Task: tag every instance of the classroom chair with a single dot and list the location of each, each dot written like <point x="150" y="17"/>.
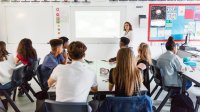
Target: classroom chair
<point x="141" y="103"/>
<point x="54" y="106"/>
<point x="35" y="66"/>
<point x="197" y="104"/>
<point x="26" y="86"/>
<point x="158" y="81"/>
<point x="170" y="92"/>
<point x="154" y="62"/>
<point x="40" y="78"/>
<point x="16" y="81"/>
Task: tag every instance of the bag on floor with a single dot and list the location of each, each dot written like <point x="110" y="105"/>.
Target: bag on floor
<point x="182" y="103"/>
<point x="41" y="96"/>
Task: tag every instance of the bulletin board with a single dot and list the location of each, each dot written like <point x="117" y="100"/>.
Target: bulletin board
<point x="175" y="20"/>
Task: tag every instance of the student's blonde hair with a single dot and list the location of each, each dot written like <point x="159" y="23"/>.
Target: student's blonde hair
<point x="144" y="52"/>
<point x="126" y="74"/>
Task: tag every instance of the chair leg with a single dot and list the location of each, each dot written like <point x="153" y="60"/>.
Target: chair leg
<point x="164" y="101"/>
<point x="152" y="92"/>
<point x="158" y="94"/>
<point x="151" y="79"/>
<point x="11" y="102"/>
<point x="14" y="94"/>
<point x="26" y="92"/>
<point x="30" y="88"/>
<point x="197" y="104"/>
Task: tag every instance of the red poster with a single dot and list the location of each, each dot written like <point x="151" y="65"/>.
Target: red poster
<point x="189" y="14"/>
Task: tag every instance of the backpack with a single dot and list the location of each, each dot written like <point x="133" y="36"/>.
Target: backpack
<point x="182" y="103"/>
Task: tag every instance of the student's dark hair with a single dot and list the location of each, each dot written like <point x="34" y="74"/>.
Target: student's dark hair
<point x="130" y="26"/>
<point x="170" y="45"/>
<point x="64" y="39"/>
<point x="125" y="40"/>
<point x="55" y="42"/>
<point x="3" y="51"/>
<point x="26" y="50"/>
<point x="76" y="50"/>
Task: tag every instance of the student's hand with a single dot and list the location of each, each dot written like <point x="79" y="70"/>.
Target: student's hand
<point x="65" y="55"/>
<point x="142" y="66"/>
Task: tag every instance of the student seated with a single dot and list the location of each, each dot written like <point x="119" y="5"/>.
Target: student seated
<point x="7" y="65"/>
<point x="51" y="60"/>
<point x="170" y="65"/>
<point x="126" y="76"/>
<point x="26" y="54"/>
<point x="144" y="61"/>
<point x="73" y="81"/>
<point x="122" y="44"/>
<point x="65" y="45"/>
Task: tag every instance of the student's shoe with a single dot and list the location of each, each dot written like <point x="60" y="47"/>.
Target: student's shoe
<point x="20" y="93"/>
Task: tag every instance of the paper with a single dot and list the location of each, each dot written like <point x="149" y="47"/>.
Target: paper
<point x="181" y="10"/>
<point x="197" y="28"/>
<point x="161" y="32"/>
<point x="171" y="16"/>
<point x="153" y="32"/>
<point x="189" y="14"/>
<point x="171" y="9"/>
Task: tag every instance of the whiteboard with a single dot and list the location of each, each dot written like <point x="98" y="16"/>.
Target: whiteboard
<point x="34" y="22"/>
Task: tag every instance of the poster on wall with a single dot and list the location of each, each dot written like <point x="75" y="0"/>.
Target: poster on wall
<point x="175" y="20"/>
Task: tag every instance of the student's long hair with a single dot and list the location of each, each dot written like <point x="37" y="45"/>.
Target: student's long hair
<point x="26" y="50"/>
<point x="144" y="52"/>
<point x="3" y="51"/>
<point x="126" y="75"/>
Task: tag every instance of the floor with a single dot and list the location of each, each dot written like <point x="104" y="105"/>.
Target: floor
<point x="25" y="105"/>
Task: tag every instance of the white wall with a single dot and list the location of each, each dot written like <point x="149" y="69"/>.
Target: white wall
<point x="95" y="51"/>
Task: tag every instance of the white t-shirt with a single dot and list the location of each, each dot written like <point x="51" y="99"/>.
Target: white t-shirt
<point x="73" y="82"/>
<point x="129" y="35"/>
<point x="6" y="69"/>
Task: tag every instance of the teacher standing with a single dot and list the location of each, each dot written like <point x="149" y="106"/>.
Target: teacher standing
<point x="128" y="32"/>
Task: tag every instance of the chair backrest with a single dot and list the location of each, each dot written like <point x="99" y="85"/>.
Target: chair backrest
<point x="127" y="104"/>
<point x="35" y="65"/>
<point x="18" y="75"/>
<point x="157" y="75"/>
<point x="53" y="106"/>
<point x="39" y="76"/>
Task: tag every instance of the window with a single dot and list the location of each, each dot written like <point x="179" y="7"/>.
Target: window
<point x="97" y="23"/>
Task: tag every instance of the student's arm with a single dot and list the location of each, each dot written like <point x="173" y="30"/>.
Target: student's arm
<point x="112" y="59"/>
<point x="111" y="83"/>
<point x="177" y="65"/>
<point x="63" y="58"/>
<point x="17" y="59"/>
<point x="111" y="87"/>
<point x="53" y="77"/>
<point x="51" y="82"/>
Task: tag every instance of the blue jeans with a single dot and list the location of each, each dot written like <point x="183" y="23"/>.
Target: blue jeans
<point x="188" y="84"/>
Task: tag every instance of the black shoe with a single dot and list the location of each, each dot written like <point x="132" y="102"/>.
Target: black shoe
<point x="20" y="93"/>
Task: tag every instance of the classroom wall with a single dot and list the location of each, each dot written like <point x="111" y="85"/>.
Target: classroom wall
<point x="98" y="51"/>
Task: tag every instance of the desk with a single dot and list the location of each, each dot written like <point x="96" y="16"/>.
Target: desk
<point x="193" y="76"/>
<point x="102" y="79"/>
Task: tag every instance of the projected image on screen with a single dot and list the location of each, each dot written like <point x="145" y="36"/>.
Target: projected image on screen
<point x="97" y="24"/>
